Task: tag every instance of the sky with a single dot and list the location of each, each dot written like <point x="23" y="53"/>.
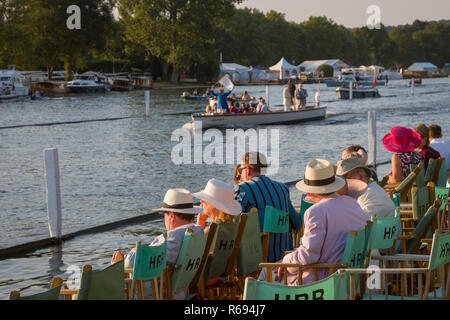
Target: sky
<point x="353" y="13"/>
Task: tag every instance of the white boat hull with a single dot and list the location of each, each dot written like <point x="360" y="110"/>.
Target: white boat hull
<point x="249" y="119"/>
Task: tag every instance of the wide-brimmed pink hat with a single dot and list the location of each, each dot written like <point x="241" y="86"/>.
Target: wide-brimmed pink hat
<point x="401" y="139"/>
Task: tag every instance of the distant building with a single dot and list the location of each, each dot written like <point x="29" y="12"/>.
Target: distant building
<point x="312" y="65"/>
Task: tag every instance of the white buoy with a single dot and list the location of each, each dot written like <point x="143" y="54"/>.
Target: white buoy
<point x="350" y="92"/>
<point x="267" y="95"/>
<point x="147" y="103"/>
<point x="53" y="192"/>
<point x="372" y="145"/>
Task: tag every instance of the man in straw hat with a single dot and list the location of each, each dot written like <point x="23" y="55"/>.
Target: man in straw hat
<point x="372" y="198"/>
<point x="179" y="215"/>
<point x="259" y="191"/>
<point x="327" y="223"/>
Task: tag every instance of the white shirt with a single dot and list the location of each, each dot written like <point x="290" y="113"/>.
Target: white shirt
<point x="376" y="201"/>
<point x="443" y="147"/>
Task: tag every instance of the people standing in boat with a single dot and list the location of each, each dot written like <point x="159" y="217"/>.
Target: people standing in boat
<point x="222" y="100"/>
<point x="300" y="97"/>
<point x="287" y="98"/>
<point x="262" y="106"/>
<point x="426" y="151"/>
<point x="403" y="142"/>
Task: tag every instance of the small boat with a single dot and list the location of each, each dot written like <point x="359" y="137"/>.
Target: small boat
<point x="417" y="82"/>
<point x="188" y="96"/>
<point x="122" y="84"/>
<point x="142" y="83"/>
<point x="50" y="87"/>
<point x="361" y="80"/>
<point x="11" y="84"/>
<point x="88" y="82"/>
<point x="261" y="118"/>
<point x="344" y="93"/>
<point x="7" y="97"/>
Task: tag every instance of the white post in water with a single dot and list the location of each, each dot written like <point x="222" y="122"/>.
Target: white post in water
<point x="350" y="90"/>
<point x="412" y="86"/>
<point x="147" y="103"/>
<point x="53" y="192"/>
<point x="267" y="95"/>
<point x="372" y="146"/>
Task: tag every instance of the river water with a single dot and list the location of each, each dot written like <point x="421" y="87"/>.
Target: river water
<point x="116" y="169"/>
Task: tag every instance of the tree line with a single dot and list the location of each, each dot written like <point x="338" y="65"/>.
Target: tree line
<point x="171" y="37"/>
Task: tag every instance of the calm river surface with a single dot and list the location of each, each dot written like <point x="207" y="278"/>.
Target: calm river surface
<point x="117" y="169"/>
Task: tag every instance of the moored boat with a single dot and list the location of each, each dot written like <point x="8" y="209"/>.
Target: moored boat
<point x="122" y="84"/>
<point x="344" y="93"/>
<point x="142" y="83"/>
<point x="88" y="82"/>
<point x="11" y="84"/>
<point x="50" y="87"/>
<point x="261" y="118"/>
<point x="417" y="82"/>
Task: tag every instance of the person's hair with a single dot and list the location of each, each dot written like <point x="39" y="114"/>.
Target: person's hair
<point x="185" y="216"/>
<point x="354" y="148"/>
<point x="225" y="217"/>
<point x="236" y="175"/>
<point x="422" y="129"/>
<point x="256" y="167"/>
<point x="434" y="131"/>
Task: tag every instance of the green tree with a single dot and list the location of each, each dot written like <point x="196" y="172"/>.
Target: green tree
<point x="178" y="32"/>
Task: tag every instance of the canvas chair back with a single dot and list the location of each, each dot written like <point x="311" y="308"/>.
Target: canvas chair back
<point x="355" y="249"/>
<point x="420" y="177"/>
<point x="440" y="251"/>
<point x="250" y="253"/>
<point x="384" y="231"/>
<point x="149" y="261"/>
<point x="303" y="207"/>
<point x="442" y="194"/>
<point x="441" y="180"/>
<point x="433" y="169"/>
<point x="106" y="284"/>
<point x="188" y="261"/>
<point x="405" y="186"/>
<point x="420" y="201"/>
<point x="420" y="231"/>
<point x="396" y="199"/>
<point x="51" y="294"/>
<point x="221" y="249"/>
<point x="275" y="221"/>
<point x="331" y="288"/>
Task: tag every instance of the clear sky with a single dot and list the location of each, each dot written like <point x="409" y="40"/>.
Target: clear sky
<point x="352" y="13"/>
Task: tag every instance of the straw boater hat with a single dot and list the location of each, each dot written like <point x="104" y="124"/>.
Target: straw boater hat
<point x="401" y="139"/>
<point x="320" y="178"/>
<point x="179" y="200"/>
<point x="221" y="196"/>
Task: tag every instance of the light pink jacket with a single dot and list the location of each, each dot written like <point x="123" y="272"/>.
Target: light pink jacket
<point x="327" y="225"/>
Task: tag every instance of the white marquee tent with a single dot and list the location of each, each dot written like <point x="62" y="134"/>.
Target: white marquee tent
<point x="312" y="65"/>
<point x="285" y="69"/>
<point x="237" y="72"/>
<point x="423" y="66"/>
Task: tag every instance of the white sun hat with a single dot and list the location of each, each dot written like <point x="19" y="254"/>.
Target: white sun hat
<point x="221" y="196"/>
<point x="179" y="200"/>
<point x="320" y="178"/>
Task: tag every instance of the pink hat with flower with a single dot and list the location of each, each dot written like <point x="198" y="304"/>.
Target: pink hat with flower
<point x="401" y="139"/>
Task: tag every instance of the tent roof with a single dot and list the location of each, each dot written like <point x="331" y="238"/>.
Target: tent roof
<point x="317" y="63"/>
<point x="421" y="66"/>
<point x="283" y="64"/>
<point x="233" y="67"/>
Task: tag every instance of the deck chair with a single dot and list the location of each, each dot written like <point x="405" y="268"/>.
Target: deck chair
<point x="331" y="288"/>
<point x="52" y="294"/>
<point x="443" y="218"/>
<point x="412" y="243"/>
<point x="404" y="187"/>
<point x="420" y="181"/>
<point x="354" y="255"/>
<point x="179" y="276"/>
<point x="149" y="264"/>
<point x="275" y="221"/>
<point x="297" y="234"/>
<point x="441" y="180"/>
<point x="217" y="260"/>
<point x="433" y="170"/>
<point x="416" y="288"/>
<point x="106" y="284"/>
